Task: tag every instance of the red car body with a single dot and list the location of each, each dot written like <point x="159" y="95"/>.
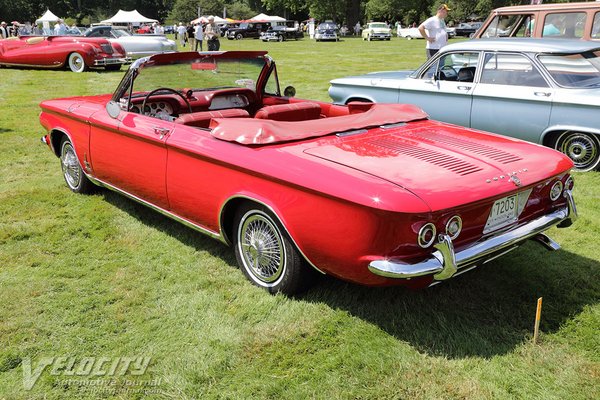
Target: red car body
<point x="58" y="51"/>
<point x="354" y="187"/>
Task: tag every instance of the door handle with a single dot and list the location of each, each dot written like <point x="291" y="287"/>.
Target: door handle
<point x="162" y="132"/>
<point x="542" y="94"/>
<point x="463" y="87"/>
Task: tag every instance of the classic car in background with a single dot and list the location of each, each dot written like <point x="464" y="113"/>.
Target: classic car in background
<point x="541" y="90"/>
<point x="135" y="45"/>
<point x="562" y="20"/>
<point x="376" y="194"/>
<point x="76" y="53"/>
<point x="377" y="31"/>
<point x="281" y="31"/>
<point x="327" y="31"/>
<point x="410" y="33"/>
<point x="467" y="28"/>
<point x="247" y="30"/>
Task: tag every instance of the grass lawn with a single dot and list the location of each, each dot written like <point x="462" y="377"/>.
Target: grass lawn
<point x="101" y="276"/>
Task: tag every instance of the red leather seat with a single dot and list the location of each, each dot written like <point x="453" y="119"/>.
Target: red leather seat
<point x="290" y="112"/>
<point x="202" y="119"/>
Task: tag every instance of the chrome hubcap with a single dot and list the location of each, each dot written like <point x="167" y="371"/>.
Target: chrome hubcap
<point x="70" y="166"/>
<point x="582" y="149"/>
<point x="77" y="63"/>
<point x="261" y="248"/>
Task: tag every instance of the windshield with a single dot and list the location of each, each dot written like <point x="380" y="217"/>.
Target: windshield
<point x="327" y="26"/>
<point x="580" y="70"/>
<point x="382" y="25"/>
<point x="120" y="33"/>
<point x="199" y="74"/>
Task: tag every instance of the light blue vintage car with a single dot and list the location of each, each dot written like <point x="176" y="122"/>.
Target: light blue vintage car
<point x="546" y="91"/>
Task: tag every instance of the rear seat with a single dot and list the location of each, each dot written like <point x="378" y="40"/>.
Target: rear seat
<point x="202" y="119"/>
<point x="290" y="112"/>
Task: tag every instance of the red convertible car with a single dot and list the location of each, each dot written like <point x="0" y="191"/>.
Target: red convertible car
<point x="376" y="194"/>
<point x="76" y="53"/>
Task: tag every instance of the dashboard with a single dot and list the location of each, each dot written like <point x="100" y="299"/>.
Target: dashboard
<point x="235" y="100"/>
<point x="153" y="108"/>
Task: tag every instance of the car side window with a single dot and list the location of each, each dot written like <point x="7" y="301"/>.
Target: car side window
<point x="272" y="85"/>
<point x="504" y="25"/>
<point x="512" y="70"/>
<point x="460" y="67"/>
<point x="596" y="26"/>
<point x="564" y="25"/>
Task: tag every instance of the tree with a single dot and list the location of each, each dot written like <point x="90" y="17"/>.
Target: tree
<point x="240" y="10"/>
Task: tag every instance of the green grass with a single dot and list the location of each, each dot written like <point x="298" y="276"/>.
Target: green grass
<point x="101" y="276"/>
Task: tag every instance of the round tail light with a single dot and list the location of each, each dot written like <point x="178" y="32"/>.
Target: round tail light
<point x="426" y="235"/>
<point x="556" y="190"/>
<point x="569" y="183"/>
<point x="453" y="227"/>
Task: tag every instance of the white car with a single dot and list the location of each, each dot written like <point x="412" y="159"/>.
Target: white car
<point x="135" y="46"/>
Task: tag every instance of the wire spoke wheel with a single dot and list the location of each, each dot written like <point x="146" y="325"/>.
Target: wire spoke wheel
<point x="70" y="166"/>
<point x="581" y="148"/>
<point x="261" y="247"/>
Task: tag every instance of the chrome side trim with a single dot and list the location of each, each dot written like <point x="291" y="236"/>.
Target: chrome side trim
<point x="112" y="61"/>
<point x="240" y="196"/>
<point x="184" y="221"/>
<point x="445" y="263"/>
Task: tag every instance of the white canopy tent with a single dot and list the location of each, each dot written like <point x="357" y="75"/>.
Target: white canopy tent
<point x="45" y="21"/>
<point x="47" y="17"/>
<point x="128" y="17"/>
<point x="267" y="18"/>
<point x="204" y="19"/>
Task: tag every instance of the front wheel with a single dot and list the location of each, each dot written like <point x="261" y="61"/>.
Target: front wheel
<point x="266" y="254"/>
<point x="72" y="172"/>
<point x="239" y="36"/>
<point x="280" y="38"/>
<point x="582" y="148"/>
<point x="76" y="62"/>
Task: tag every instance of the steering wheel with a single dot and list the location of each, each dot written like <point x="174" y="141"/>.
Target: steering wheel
<point x="168" y="90"/>
<point x="450" y="73"/>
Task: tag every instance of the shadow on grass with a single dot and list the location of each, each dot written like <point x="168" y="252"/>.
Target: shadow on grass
<point x="4" y="130"/>
<point x="486" y="312"/>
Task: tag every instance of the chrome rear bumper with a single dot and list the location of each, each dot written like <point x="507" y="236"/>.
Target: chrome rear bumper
<point x="445" y="262"/>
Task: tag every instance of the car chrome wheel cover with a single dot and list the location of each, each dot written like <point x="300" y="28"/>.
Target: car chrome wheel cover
<point x="581" y="148"/>
<point x="76" y="62"/>
<point x="261" y="247"/>
<point x="70" y="166"/>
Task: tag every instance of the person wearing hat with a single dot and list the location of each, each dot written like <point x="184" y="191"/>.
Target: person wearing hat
<point x="3" y="30"/>
<point x="434" y="32"/>
<point x="212" y="35"/>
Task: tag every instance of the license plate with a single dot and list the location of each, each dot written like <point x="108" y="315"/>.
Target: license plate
<point x="504" y="212"/>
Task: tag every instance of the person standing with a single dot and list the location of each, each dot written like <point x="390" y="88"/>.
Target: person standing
<point x="3" y="30"/>
<point x="190" y="31"/>
<point x="212" y="35"/>
<point x="434" y="32"/>
<point x="199" y="36"/>
<point x="181" y="31"/>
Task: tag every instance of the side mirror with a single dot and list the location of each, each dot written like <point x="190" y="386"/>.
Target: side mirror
<point x="289" y="91"/>
<point x="113" y="109"/>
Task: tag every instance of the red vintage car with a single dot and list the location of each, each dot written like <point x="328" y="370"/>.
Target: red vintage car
<point x="376" y="194"/>
<point x="76" y="53"/>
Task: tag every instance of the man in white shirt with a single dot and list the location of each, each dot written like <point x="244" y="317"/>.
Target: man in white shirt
<point x="3" y="30"/>
<point x="199" y="36"/>
<point x="433" y="31"/>
<point x="60" y="28"/>
<point x="181" y="32"/>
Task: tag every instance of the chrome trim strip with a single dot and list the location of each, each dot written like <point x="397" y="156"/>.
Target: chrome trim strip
<point x="241" y="196"/>
<point x="34" y="65"/>
<point x="184" y="221"/>
<point x="112" y="61"/>
<point x="445" y="263"/>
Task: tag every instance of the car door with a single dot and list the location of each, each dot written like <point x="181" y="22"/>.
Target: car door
<point x="444" y="89"/>
<point x="512" y="97"/>
<point x="129" y="153"/>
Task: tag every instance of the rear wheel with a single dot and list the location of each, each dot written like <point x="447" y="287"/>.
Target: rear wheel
<point x="76" y="62"/>
<point x="582" y="148"/>
<point x="266" y="254"/>
<point x="72" y="172"/>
